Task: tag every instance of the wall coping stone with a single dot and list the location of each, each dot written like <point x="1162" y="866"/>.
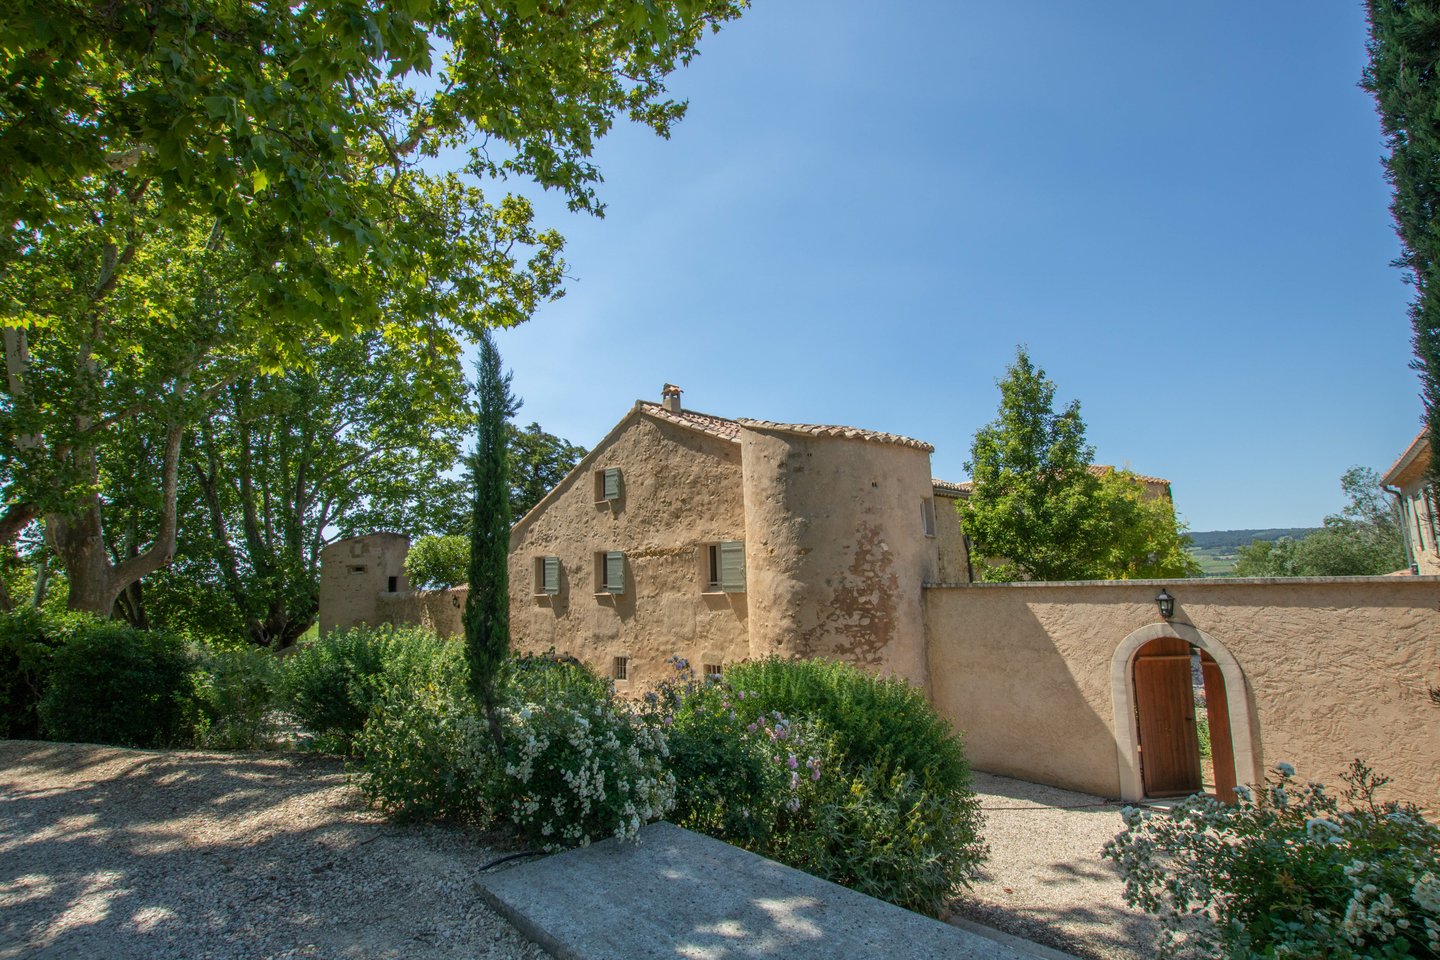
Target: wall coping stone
<point x="1195" y="581"/>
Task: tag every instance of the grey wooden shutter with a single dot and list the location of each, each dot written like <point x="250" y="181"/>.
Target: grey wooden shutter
<point x="551" y="583"/>
<point x="615" y="572"/>
<point x="612" y="483"/>
<point x="732" y="566"/>
<point x="927" y="516"/>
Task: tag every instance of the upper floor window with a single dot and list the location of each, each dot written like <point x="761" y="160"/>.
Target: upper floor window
<point x="927" y="516"/>
<point x="726" y="567"/>
<point x="608" y="485"/>
<point x="547" y="576"/>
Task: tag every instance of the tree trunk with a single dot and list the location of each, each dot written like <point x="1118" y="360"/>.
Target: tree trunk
<point x="79" y="538"/>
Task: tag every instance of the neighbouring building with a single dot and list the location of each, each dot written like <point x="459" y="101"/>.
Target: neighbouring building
<point x="1409" y="482"/>
<point x="684" y="534"/>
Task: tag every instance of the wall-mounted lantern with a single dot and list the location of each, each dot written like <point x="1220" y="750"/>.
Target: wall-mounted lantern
<point x="1166" y="603"/>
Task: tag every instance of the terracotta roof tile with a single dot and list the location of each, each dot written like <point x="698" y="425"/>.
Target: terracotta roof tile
<point x="848" y="433"/>
<point x="704" y="422"/>
<point x="727" y="429"/>
<point x="945" y="487"/>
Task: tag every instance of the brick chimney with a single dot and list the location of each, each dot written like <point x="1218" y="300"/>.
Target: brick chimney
<point x="670" y="397"/>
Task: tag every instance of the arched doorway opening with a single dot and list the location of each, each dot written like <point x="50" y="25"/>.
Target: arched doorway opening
<point x="1154" y="676"/>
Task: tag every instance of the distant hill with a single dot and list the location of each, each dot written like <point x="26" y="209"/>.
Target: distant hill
<point x="1215" y="549"/>
<point x="1231" y="539"/>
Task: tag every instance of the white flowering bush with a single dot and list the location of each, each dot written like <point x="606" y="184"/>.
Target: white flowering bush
<point x="424" y="751"/>
<point x="1287" y="872"/>
<point x="579" y="768"/>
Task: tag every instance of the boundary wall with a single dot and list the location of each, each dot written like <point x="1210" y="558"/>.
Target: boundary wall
<point x="1319" y="671"/>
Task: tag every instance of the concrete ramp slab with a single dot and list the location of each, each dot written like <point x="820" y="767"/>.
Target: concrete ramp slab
<point x="678" y="894"/>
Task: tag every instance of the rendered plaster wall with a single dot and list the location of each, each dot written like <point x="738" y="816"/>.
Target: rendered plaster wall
<point x="1334" y="669"/>
<point x="435" y="610"/>
<point x="952" y="559"/>
<point x="834" y="549"/>
<point x="681" y="492"/>
<point x="356" y="571"/>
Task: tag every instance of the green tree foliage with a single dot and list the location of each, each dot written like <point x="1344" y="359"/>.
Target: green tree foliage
<point x="538" y="461"/>
<point x="1364" y="539"/>
<point x="354" y="441"/>
<point x="1402" y="75"/>
<point x="1038" y="512"/>
<point x="435" y="562"/>
<point x="195" y="192"/>
<point x="487" y="604"/>
<point x="1146" y="540"/>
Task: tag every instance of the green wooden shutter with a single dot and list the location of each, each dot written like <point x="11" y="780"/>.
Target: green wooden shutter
<point x="552" y="575"/>
<point x="732" y="566"/>
<point x="612" y="483"/>
<point x="615" y="572"/>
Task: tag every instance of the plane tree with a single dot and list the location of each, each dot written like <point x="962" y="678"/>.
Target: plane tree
<point x="196" y="190"/>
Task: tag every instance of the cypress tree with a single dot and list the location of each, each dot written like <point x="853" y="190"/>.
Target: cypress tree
<point x="1402" y="75"/>
<point x="487" y="606"/>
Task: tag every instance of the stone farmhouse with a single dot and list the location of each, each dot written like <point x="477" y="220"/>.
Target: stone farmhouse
<point x="1409" y="481"/>
<point x="715" y="539"/>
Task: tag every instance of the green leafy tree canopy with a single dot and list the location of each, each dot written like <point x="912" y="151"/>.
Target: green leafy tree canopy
<point x="1037" y="510"/>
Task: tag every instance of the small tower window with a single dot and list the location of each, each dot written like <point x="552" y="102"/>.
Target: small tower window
<point x="608" y="485"/>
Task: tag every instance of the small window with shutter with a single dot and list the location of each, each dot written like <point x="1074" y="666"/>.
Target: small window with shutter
<point x="610" y="572"/>
<point x="547" y="576"/>
<point x="726" y="567"/>
<point x="608" y="486"/>
<point x="927" y="516"/>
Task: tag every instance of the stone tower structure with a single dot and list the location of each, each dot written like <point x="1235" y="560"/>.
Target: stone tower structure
<point x="839" y="536"/>
<point x="355" y="572"/>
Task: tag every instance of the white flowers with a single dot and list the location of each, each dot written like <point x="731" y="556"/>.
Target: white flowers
<point x="595" y="769"/>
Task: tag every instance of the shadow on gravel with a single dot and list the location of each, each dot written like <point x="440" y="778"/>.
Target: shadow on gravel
<point x="113" y="853"/>
<point x="1111" y="932"/>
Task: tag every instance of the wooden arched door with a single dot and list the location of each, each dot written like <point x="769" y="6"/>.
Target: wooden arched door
<point x="1165" y="717"/>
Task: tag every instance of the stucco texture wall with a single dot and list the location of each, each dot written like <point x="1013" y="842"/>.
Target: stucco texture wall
<point x="354" y="572"/>
<point x="834" y="549"/>
<point x="1333" y="670"/>
<point x="681" y="492"/>
<point x="435" y="610"/>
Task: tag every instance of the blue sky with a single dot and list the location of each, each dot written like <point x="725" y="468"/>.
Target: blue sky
<point x="1179" y="209"/>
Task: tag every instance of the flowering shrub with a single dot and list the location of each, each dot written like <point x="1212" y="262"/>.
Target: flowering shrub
<point x="876" y="722"/>
<point x="1287" y="873"/>
<point x="579" y="768"/>
<point x="887" y="835"/>
<point x="743" y="782"/>
<point x="424" y="752"/>
<point x="823" y="767"/>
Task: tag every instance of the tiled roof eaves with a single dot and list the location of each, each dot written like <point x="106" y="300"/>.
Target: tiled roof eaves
<point x="715" y="426"/>
<point x="846" y="433"/>
<point x="947" y="489"/>
<point x="1401" y="466"/>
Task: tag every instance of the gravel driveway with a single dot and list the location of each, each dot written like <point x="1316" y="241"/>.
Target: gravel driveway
<point x="111" y="853"/>
<point x="1045" y="880"/>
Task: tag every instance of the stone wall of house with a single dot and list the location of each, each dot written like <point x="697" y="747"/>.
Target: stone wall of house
<point x="435" y="610"/>
<point x="952" y="557"/>
<point x="355" y="572"/>
<point x="834" y="548"/>
<point x="1333" y="669"/>
<point x="681" y="491"/>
